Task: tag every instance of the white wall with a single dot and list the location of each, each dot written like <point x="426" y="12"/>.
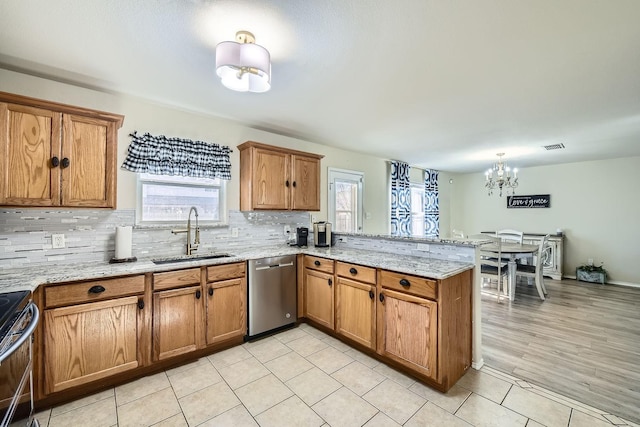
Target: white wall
<point x="596" y="203"/>
<point x="144" y="116"/>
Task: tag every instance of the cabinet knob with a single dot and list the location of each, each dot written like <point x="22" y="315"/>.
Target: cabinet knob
<point x="140" y="304"/>
<point x="353" y="271"/>
<point x="210" y="291"/>
<point x="405" y="282"/>
<point x="96" y="289"/>
<point x="372" y="295"/>
<point x="198" y="294"/>
<point x="316" y="263"/>
<point x="286" y="183"/>
<point x="55" y="162"/>
<point x="294" y="183"/>
<point x="381" y="297"/>
<point x="65" y="163"/>
<point x="330" y="282"/>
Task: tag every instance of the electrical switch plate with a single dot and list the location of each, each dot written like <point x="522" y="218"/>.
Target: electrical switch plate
<point x="57" y="241"/>
<point x="234" y="232"/>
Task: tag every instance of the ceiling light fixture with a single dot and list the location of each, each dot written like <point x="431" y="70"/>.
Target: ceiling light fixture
<point x="503" y="177"/>
<point x="243" y="65"/>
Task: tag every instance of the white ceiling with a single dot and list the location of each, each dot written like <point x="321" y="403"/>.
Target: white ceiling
<point x="444" y="84"/>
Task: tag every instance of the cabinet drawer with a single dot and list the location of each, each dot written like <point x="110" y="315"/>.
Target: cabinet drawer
<point x="317" y="263"/>
<point x="356" y="272"/>
<point x="176" y="279"/>
<point x="94" y="290"/>
<point x="420" y="286"/>
<point x="224" y="272"/>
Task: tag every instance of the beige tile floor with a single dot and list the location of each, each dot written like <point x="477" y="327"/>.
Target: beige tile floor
<point x="303" y="377"/>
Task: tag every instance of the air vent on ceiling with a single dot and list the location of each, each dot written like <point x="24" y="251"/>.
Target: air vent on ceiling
<point x="553" y="146"/>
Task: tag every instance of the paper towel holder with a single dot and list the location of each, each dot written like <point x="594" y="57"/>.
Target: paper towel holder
<point x="121" y="260"/>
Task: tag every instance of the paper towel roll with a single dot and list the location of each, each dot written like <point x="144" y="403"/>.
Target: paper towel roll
<point x="123" y="242"/>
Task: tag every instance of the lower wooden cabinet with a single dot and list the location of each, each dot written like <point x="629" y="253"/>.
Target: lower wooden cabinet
<point x="226" y="303"/>
<point x="408" y="331"/>
<point x="177" y="315"/>
<point x="319" y="298"/>
<point x="356" y="311"/>
<point x="87" y="342"/>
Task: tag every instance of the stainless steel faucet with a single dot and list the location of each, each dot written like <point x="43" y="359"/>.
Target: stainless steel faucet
<point x="191" y="247"/>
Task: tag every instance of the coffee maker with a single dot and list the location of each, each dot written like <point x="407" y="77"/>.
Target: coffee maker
<point x="322" y="234"/>
<point x="301" y="236"/>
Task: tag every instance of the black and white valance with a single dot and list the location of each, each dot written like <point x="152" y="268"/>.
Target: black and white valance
<point x="161" y="155"/>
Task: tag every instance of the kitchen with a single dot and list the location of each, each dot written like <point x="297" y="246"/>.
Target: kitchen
<point x="94" y="240"/>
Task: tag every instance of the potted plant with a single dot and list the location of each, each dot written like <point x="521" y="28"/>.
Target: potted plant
<point x="591" y="273"/>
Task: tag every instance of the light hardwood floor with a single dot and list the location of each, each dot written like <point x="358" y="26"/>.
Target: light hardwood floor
<point x="583" y="341"/>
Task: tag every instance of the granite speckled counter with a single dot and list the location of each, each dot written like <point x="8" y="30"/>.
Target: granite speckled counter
<point x="29" y="277"/>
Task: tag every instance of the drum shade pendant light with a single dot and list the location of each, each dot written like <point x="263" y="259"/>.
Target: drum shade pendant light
<point x="243" y="65"/>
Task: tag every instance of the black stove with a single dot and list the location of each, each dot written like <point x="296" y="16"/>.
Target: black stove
<point x="11" y="305"/>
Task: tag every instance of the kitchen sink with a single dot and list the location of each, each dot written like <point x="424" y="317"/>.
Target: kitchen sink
<point x="185" y="258"/>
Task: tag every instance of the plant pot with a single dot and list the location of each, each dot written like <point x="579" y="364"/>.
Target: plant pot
<point x="591" y="276"/>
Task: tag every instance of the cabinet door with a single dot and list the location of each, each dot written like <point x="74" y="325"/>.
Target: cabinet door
<point x="319" y="297"/>
<point x="356" y="311"/>
<point x="29" y="139"/>
<point x="176" y="322"/>
<point x="305" y="188"/>
<point x="226" y="308"/>
<point x="90" y="146"/>
<point x="271" y="181"/>
<point x="408" y="331"/>
<point x="87" y="342"/>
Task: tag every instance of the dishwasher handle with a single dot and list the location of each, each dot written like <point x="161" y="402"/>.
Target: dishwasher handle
<point x="24" y="334"/>
<point x="267" y="267"/>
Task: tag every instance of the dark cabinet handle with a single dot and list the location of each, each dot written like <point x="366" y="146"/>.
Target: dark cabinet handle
<point x="330" y="282"/>
<point x="65" y="163"/>
<point x="353" y="271"/>
<point x="294" y="183"/>
<point x="96" y="289"/>
<point x="405" y="282"/>
<point x="286" y="183"/>
<point x="372" y="295"/>
<point x="381" y="297"/>
<point x="198" y="294"/>
<point x="210" y="291"/>
<point x="55" y="162"/>
<point x="316" y="262"/>
<point x="140" y="304"/>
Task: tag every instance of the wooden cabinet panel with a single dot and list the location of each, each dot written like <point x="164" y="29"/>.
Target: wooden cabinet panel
<point x="319" y="298"/>
<point x="226" y="271"/>
<point x="408" y="331"/>
<point x="415" y="285"/>
<point x="305" y="186"/>
<point x="356" y="272"/>
<point x="271" y="180"/>
<point x="91" y="177"/>
<point x="356" y="311"/>
<point x="87" y="342"/>
<point x="317" y="263"/>
<point x="174" y="279"/>
<point x="176" y="322"/>
<point x="226" y="309"/>
<point x="29" y="139"/>
<point x="83" y="292"/>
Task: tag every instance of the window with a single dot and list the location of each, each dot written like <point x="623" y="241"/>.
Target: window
<point x="167" y="199"/>
<point x="345" y="200"/>
<point x="417" y="210"/>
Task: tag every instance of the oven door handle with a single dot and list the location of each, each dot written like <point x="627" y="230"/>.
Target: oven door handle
<point x="25" y="333"/>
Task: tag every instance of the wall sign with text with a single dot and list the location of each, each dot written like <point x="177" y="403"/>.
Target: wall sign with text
<point x="534" y="201"/>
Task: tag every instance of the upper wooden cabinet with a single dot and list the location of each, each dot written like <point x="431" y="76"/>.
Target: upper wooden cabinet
<point x="56" y="155"/>
<point x="275" y="178"/>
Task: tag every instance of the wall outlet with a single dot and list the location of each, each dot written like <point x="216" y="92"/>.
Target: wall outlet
<point x="590" y="261"/>
<point x="57" y="241"/>
<point x="234" y="232"/>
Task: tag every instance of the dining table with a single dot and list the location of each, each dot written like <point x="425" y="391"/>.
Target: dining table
<point x="513" y="250"/>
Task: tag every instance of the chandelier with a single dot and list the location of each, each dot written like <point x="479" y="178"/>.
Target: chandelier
<point x="243" y="65"/>
<point x="503" y="177"/>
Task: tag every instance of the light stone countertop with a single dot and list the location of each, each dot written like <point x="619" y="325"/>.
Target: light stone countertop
<point x="29" y="277"/>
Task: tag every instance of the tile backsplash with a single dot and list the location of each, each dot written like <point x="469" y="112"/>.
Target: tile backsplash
<point x="25" y="235"/>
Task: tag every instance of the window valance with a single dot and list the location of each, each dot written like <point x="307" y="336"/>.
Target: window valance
<point x="161" y="155"/>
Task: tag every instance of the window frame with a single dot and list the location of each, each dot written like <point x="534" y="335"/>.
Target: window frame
<point x="347" y="175"/>
<point x="418" y="186"/>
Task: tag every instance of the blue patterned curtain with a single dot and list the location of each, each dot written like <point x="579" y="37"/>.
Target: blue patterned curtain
<point x="431" y="204"/>
<point x="400" y="199"/>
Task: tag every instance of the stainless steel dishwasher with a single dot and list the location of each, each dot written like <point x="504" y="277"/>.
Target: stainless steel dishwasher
<point x="272" y="294"/>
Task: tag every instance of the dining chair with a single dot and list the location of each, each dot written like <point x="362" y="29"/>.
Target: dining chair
<point x="535" y="270"/>
<point x="508" y="235"/>
<point x="492" y="267"/>
<point x="457" y="234"/>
